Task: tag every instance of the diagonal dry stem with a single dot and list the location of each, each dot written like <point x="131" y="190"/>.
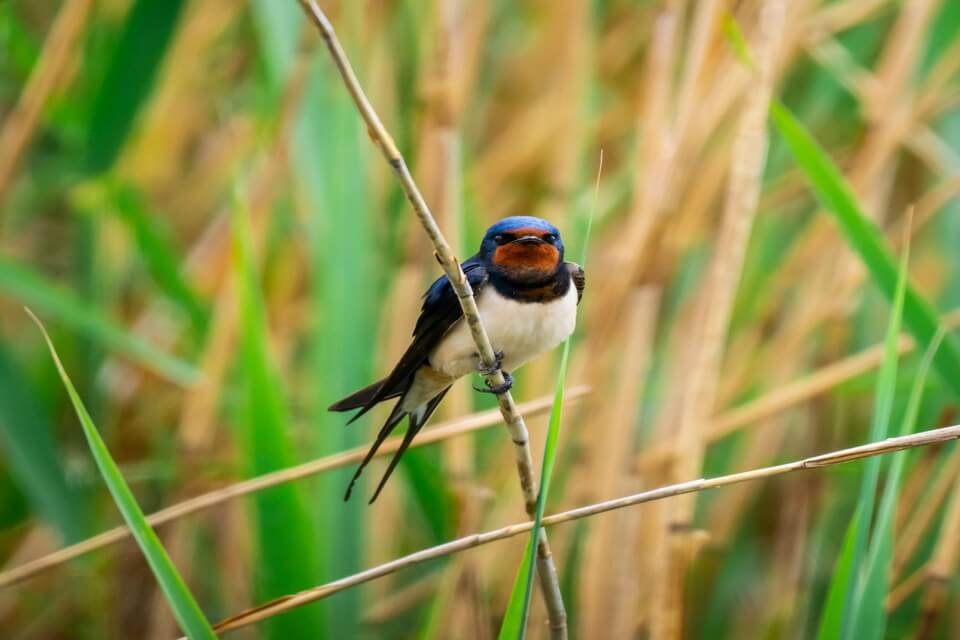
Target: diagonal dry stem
<point x="216" y="497"/>
<point x="547" y="571"/>
<point x="776" y="401"/>
<point x="890" y="445"/>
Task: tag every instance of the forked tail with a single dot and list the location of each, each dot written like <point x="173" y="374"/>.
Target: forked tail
<point x="418" y="417"/>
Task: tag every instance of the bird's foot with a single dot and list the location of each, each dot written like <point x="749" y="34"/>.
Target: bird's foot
<point x="497" y="362"/>
<point x="498" y="389"/>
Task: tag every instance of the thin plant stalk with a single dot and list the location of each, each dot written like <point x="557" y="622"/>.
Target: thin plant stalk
<point x="890" y="445"/>
<point x="439" y="433"/>
<point x="512" y="418"/>
<point x="182" y="603"/>
<point x="778" y="400"/>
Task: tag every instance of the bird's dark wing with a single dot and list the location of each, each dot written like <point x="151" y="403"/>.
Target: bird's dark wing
<point x="579" y="278"/>
<point x="441" y="307"/>
<point x="440" y="311"/>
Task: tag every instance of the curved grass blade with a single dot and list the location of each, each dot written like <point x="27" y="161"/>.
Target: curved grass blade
<point x="33" y="290"/>
<point x="146" y="34"/>
<point x="866" y="239"/>
<point x="515" y="617"/>
<point x="185" y="608"/>
<point x="863" y="236"/>
<point x="839" y="621"/>
<point x="736" y="40"/>
<point x="27" y="439"/>
<point x="328" y="156"/>
<point x="284" y="536"/>
<point x="546" y="473"/>
<point x="944" y="31"/>
<point x="871" y="608"/>
<point x="831" y="619"/>
<point x="514" y="624"/>
<point x="879" y="429"/>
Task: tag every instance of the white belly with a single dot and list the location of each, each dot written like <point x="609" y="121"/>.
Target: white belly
<point x="521" y="330"/>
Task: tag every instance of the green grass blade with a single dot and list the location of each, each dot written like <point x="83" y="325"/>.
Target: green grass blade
<point x="872" y="611"/>
<point x="879" y="429"/>
<point x="863" y="236"/>
<point x="831" y="619"/>
<point x="329" y="155"/>
<point x="344" y="299"/>
<point x="840" y="612"/>
<point x="546" y="473"/>
<point x="944" y="32"/>
<point x="33" y="290"/>
<point x="185" y="608"/>
<point x="736" y="40"/>
<point x="27" y="439"/>
<point x="19" y="44"/>
<point x="148" y="30"/>
<point x="514" y="624"/>
<point x="157" y="252"/>
<point x="514" y="619"/>
<point x="285" y="537"/>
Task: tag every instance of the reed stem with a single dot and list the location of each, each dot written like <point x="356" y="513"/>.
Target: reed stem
<point x="511" y="416"/>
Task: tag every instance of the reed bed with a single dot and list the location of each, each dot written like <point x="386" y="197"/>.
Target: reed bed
<point x="193" y="203"/>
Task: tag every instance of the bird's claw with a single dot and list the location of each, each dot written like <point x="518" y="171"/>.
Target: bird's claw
<point x="498" y="389"/>
<point x="497" y="362"/>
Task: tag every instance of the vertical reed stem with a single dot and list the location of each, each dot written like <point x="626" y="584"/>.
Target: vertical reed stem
<point x="546" y="568"/>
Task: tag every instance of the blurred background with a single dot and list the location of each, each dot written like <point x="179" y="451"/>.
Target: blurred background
<point x="726" y="326"/>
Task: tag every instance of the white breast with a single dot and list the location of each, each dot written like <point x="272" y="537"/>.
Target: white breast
<point x="521" y="330"/>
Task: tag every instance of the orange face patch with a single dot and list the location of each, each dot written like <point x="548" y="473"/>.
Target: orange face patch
<point x="523" y="258"/>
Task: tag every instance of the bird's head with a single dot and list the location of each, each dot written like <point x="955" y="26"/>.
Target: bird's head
<point x="522" y="248"/>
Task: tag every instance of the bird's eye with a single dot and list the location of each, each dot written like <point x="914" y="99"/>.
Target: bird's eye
<point x="550" y="237"/>
<point x="499" y="238"/>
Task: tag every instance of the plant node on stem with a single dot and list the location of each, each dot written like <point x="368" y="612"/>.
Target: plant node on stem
<point x="549" y="582"/>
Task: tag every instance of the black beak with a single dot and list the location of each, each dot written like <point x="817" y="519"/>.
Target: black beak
<point x="530" y="240"/>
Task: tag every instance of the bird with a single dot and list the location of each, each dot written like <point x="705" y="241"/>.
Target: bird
<point x="527" y="296"/>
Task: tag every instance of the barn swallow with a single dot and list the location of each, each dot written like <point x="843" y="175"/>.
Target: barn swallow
<point x="527" y="297"/>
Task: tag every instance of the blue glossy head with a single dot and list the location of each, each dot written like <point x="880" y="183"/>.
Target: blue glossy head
<point x="522" y="246"/>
